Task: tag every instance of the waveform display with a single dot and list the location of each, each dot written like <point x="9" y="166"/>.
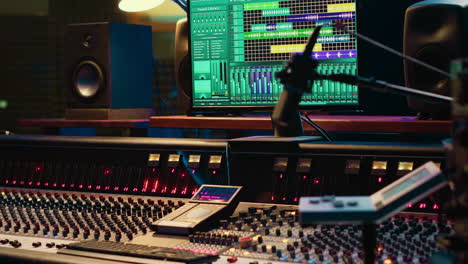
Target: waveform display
<point x="292" y="48"/>
<point x="321" y="17"/>
<point x="262" y="6"/>
<point x="341" y="7"/>
<point x="272" y="27"/>
<point x="298" y="33"/>
<point x="271" y="31"/>
<point x="276" y="12"/>
<point x="327" y="55"/>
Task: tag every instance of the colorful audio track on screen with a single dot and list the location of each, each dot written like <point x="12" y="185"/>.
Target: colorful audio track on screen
<point x="237" y="46"/>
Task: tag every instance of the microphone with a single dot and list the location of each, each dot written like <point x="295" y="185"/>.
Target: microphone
<point x="297" y="77"/>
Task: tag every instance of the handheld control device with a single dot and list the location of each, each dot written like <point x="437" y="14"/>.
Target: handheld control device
<point x="210" y="203"/>
<point x="377" y="207"/>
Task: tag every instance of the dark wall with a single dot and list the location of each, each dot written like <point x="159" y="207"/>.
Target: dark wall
<point x="25" y="70"/>
<point x="382" y="21"/>
<point x="32" y="67"/>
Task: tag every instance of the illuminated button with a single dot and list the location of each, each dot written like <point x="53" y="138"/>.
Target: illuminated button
<point x="379" y="168"/>
<point x="194" y="161"/>
<point x="153" y="159"/>
<point x="215" y="161"/>
<point x="280" y="165"/>
<point x="245" y="242"/>
<point x="352" y="166"/>
<point x="173" y="161"/>
<point x="232" y="259"/>
<point x="404" y="167"/>
<point x="303" y="165"/>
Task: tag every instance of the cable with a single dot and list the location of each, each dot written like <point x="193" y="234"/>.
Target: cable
<point x="342" y="26"/>
<point x="316" y="127"/>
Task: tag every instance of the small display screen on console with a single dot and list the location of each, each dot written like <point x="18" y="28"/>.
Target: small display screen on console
<point x="215" y="194"/>
<point x="405" y="185"/>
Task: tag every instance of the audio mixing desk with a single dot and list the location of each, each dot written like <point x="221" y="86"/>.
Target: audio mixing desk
<point x="49" y="221"/>
<point x="57" y="191"/>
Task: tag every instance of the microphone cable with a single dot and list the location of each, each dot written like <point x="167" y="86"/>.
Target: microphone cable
<point x="317" y="128"/>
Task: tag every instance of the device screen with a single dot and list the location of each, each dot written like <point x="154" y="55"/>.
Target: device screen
<point x="237" y="46"/>
<point x="405" y="185"/>
<point x="215" y="194"/>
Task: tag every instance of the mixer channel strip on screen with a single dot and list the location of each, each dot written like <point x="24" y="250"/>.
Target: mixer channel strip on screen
<point x="238" y="46"/>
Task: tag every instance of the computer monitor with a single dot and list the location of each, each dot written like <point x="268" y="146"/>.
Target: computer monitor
<point x="237" y="46"/>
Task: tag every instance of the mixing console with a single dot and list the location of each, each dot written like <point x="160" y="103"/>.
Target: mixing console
<point x="153" y="167"/>
<point x="281" y="174"/>
<point x="77" y="216"/>
<point x="43" y="208"/>
<point x="47" y="221"/>
<point x="270" y="234"/>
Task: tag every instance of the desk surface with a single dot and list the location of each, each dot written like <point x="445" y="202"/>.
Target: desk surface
<point x="374" y="124"/>
<point x="137" y="123"/>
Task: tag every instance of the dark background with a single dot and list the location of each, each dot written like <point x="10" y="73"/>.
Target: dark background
<point x="31" y="70"/>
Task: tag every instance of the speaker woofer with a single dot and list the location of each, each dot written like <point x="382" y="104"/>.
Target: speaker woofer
<point x="88" y="79"/>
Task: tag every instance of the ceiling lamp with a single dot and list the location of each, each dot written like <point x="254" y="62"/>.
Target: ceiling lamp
<point x="138" y="5"/>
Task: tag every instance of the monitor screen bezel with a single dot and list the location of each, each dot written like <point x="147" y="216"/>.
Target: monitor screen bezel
<point x="252" y="109"/>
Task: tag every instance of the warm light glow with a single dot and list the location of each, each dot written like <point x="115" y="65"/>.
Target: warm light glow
<point x="138" y="5"/>
<point x="379" y="165"/>
<point x="215" y="159"/>
<point x="145" y="184"/>
<point x="174" y="158"/>
<point x="353" y="164"/>
<point x="194" y="158"/>
<point x="405" y="166"/>
<point x="156" y="183"/>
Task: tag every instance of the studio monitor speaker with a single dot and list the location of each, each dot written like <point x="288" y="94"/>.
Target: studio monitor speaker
<point x="183" y="64"/>
<point x="435" y="33"/>
<point x="109" y="69"/>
